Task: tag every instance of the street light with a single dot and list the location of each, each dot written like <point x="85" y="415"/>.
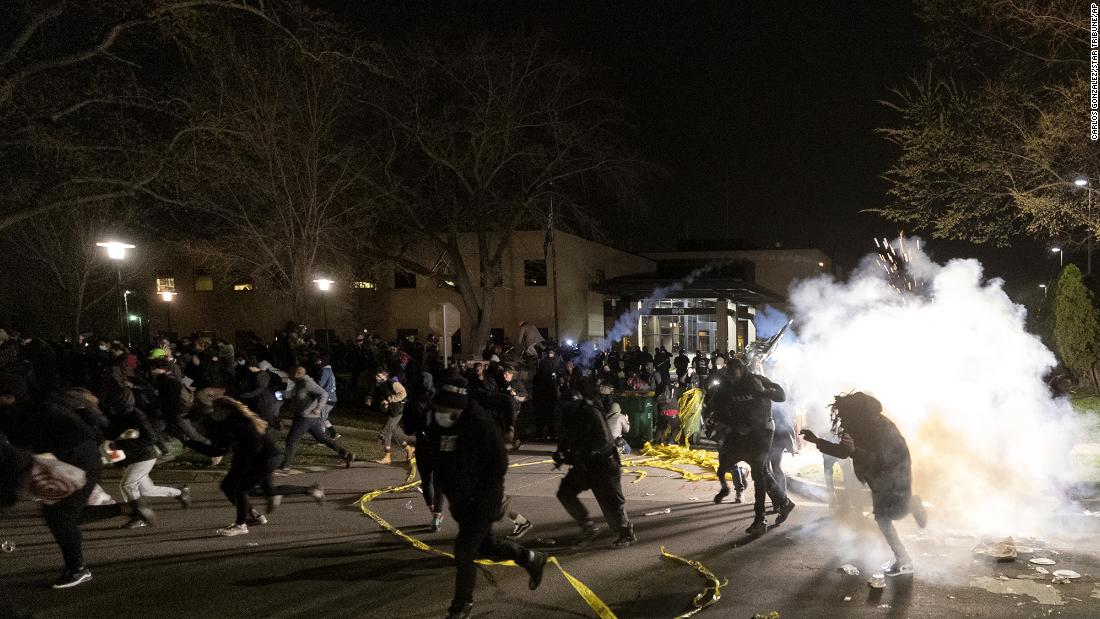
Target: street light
<point x="1085" y="183"/>
<point x="167" y="297"/>
<point x="116" y="250"/>
<point x="1058" y="250"/>
<point x="323" y="285"/>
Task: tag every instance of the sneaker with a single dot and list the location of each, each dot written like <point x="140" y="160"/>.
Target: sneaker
<point x="72" y="579"/>
<point x="737" y="497"/>
<point x="898" y="568"/>
<point x="133" y="523"/>
<point x="234" y="529"/>
<point x="589" y="532"/>
<point x="535" y="563"/>
<point x="185" y="497"/>
<point x="758" y="527"/>
<point x="784" y="511"/>
<point x="256" y="520"/>
<point x="318" y="493"/>
<point x="519" y="530"/>
<point x="625" y="539"/>
<point x="462" y="612"/>
<point x="348" y="459"/>
<point x="386" y="459"/>
<point x="282" y="470"/>
<point x="437" y="524"/>
<point x="723" y="493"/>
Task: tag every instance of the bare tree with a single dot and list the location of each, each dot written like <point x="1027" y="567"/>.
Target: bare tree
<point x="270" y="168"/>
<point x="63" y="273"/>
<point x="477" y="143"/>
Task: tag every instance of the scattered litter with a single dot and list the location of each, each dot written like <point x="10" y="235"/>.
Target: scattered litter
<point x="1069" y="574"/>
<point x="1058" y="580"/>
<point x="252" y="544"/>
<point x="1042" y="570"/>
<point x="1043" y="561"/>
<point x="693" y="498"/>
<point x="666" y="510"/>
<point x="648" y="494"/>
<point x="849" y="569"/>
<point x="7" y="546"/>
<point x="1002" y="550"/>
<point x="877" y="581"/>
<point x="950" y="597"/>
<point x="1002" y="577"/>
<point x="772" y="615"/>
<point x="408" y="504"/>
<point x="545" y="542"/>
<point x="847" y="598"/>
<point x="884" y="606"/>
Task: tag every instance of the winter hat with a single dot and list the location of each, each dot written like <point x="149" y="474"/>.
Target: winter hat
<point x="494" y="359"/>
<point x="616" y="408"/>
<point x="452" y="394"/>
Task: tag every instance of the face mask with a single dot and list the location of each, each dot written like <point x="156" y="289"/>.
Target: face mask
<point x="103" y="347"/>
<point x="444" y="419"/>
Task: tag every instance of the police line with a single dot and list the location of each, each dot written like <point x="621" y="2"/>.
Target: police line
<point x="663" y="457"/>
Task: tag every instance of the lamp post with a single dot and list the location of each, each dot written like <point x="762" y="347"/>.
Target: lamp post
<point x="1058" y="250"/>
<point x="323" y="285"/>
<point x="1086" y="183"/>
<point x="116" y="250"/>
<point x="1044" y="288"/>
<point x="167" y="297"/>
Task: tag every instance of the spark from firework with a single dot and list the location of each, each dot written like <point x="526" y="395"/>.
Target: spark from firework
<point x="895" y="259"/>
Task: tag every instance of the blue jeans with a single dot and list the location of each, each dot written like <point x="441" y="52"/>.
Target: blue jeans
<point x="316" y="429"/>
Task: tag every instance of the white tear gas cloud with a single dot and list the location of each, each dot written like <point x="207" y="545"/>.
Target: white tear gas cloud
<point x="958" y="373"/>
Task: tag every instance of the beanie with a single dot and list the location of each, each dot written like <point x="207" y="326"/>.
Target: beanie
<point x="452" y="394"/>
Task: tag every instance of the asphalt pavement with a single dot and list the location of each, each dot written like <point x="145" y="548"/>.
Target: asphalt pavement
<point x="331" y="561"/>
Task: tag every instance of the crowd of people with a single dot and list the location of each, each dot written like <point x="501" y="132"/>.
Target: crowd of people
<point x="96" y="402"/>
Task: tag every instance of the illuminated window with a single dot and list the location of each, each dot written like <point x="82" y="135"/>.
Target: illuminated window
<point x="239" y="286"/>
<point x="204" y="281"/>
<point x="363" y="285"/>
<point x="166" y="284"/>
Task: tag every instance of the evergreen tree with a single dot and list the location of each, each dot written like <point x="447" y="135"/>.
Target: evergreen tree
<point x="1076" y="328"/>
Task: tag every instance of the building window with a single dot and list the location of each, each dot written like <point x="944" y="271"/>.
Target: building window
<point x="204" y="281"/>
<point x="242" y="286"/>
<point x="534" y="272"/>
<point x="445" y="283"/>
<point x="165" y="284"/>
<point x="363" y="285"/>
<point x="404" y="279"/>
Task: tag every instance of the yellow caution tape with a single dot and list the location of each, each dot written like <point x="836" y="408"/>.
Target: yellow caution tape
<point x="710" y="595"/>
<point x="594" y="602"/>
<point x="641" y="474"/>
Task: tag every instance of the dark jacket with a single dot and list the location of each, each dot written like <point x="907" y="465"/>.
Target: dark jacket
<point x="15" y="471"/>
<point x="881" y="460"/>
<point x="237" y="434"/>
<point x="259" y="396"/>
<point x="144" y="446"/>
<point x="584" y="433"/>
<point x="471" y="461"/>
<point x="741" y="407"/>
<point x="49" y="429"/>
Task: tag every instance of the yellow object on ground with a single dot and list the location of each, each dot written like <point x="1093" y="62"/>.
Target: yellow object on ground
<point x="691" y="414"/>
<point x="710" y="595"/>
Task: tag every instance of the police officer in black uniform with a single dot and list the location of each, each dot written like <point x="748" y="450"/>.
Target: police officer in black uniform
<point x="587" y="446"/>
<point x="742" y="404"/>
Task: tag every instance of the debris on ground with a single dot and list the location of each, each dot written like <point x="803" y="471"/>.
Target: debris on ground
<point x="659" y="512"/>
<point x="1042" y="593"/>
<point x="847" y="598"/>
<point x="877" y="581"/>
<point x="999" y="550"/>
<point x="849" y="569"/>
<point x="1067" y="574"/>
<point x="1042" y="561"/>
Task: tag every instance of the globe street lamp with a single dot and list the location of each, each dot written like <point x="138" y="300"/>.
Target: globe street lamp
<point x="116" y="250"/>
<point x="167" y="297"/>
<point x="1057" y="250"/>
<point x="324" y="285"/>
<point x="1086" y="183"/>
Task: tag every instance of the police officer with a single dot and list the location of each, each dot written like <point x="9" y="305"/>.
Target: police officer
<point x="471" y="461"/>
<point x="742" y="404"/>
<point x="587" y="445"/>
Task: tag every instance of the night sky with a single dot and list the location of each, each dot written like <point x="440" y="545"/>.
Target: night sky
<point x="764" y="116"/>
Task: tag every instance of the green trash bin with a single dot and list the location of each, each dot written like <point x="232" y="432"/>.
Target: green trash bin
<point x="638" y="408"/>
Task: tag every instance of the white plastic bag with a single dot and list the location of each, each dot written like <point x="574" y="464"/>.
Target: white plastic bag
<point x="53" y="480"/>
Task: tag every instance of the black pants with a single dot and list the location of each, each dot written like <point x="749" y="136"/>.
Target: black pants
<point x="775" y="458"/>
<point x="63" y="517"/>
<point x="668" y="428"/>
<point x="475" y="540"/>
<point x="316" y="429"/>
<point x="544" y="417"/>
<point x="182" y="429"/>
<point x="603" y="475"/>
<point x="430" y="480"/>
<point x="752" y="448"/>
<point x="243" y="475"/>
